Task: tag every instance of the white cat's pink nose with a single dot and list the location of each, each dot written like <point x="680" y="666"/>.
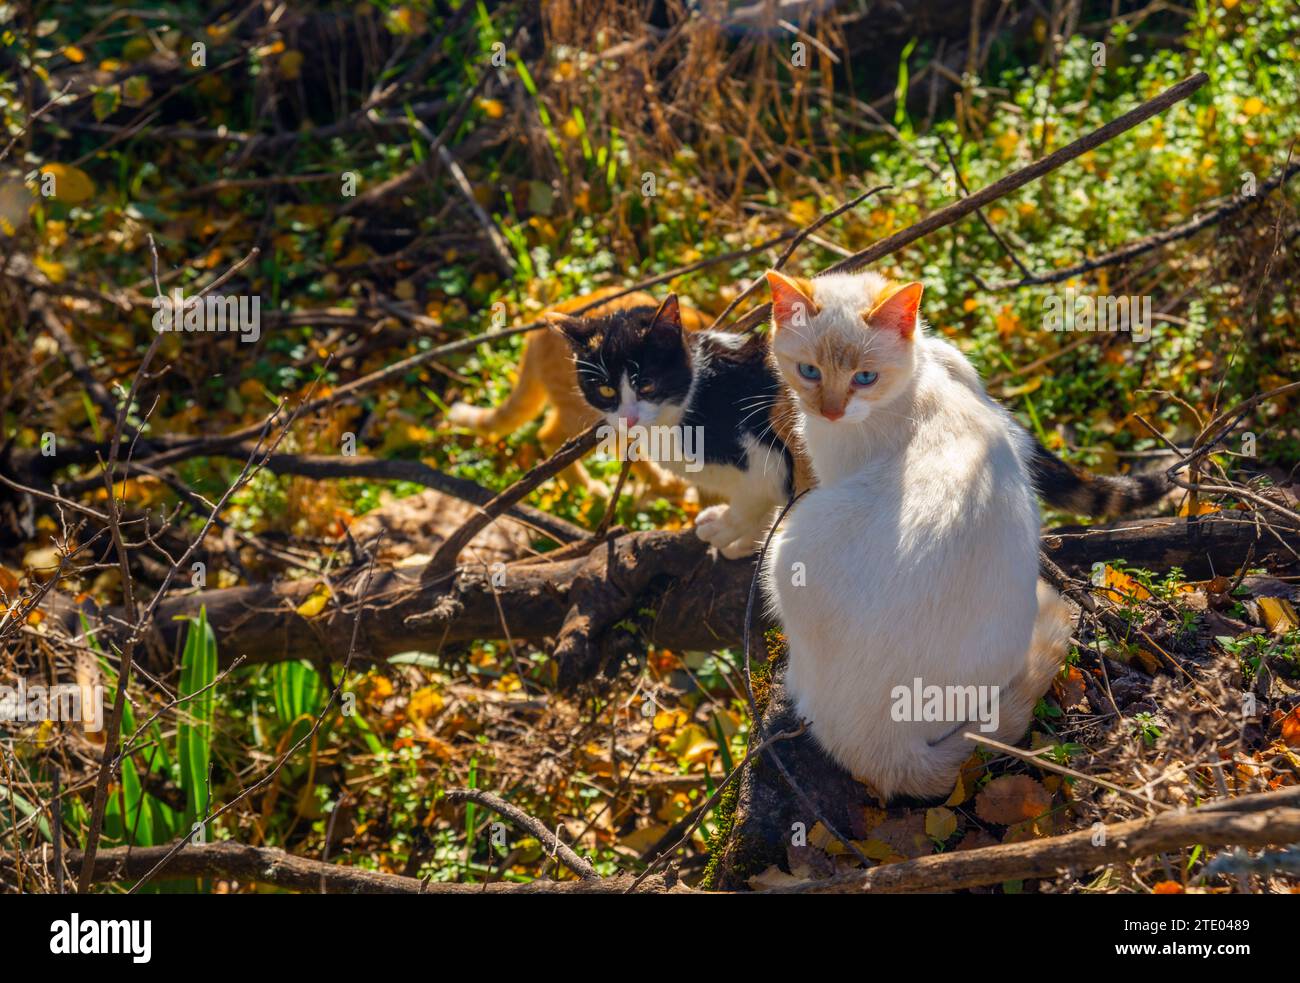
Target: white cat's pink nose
<point x="631" y="418"/>
<point x="831" y="413"/>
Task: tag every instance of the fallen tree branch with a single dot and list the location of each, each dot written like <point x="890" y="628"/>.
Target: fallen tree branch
<point x="528" y="824"/>
<point x="266" y="865"/>
<point x="694" y="598"/>
<point x="323" y="466"/>
<point x="1059" y="854"/>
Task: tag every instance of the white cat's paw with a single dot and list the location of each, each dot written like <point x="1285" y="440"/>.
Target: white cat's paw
<point x="740" y="548"/>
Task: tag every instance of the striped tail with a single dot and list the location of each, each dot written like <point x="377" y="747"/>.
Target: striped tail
<point x="1081" y="492"/>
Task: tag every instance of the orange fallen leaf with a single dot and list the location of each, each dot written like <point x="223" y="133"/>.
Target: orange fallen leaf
<point x="1069" y="687"/>
<point x="1121" y="587"/>
<point x="1012" y="799"/>
<point x="1290" y="727"/>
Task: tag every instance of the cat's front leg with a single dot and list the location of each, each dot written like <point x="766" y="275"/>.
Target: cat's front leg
<point x="735" y="530"/>
<point x="751" y="530"/>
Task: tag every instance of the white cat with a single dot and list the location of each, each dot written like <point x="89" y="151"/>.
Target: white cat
<point x="914" y="562"/>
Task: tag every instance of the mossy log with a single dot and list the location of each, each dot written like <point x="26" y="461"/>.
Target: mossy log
<point x="770" y="819"/>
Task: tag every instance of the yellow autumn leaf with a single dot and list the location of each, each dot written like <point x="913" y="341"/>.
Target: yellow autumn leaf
<point x="72" y="185"/>
<point x="52" y="269"/>
<point x="940" y="823"/>
<point x="959" y="793"/>
<point x="644" y="837"/>
<point x="424" y="703"/>
<point x="316" y="602"/>
<point x="803" y="212"/>
<point x="693" y="745"/>
<point x="492" y="108"/>
<point x="820" y="837"/>
<point x="878" y="850"/>
<point x="74" y="54"/>
<point x="1120" y="586"/>
<point x="1278" y="615"/>
<point x="669" y="719"/>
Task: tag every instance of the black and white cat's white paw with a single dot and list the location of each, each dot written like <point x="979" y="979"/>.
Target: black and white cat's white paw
<point x="711" y="525"/>
<point x="716" y="525"/>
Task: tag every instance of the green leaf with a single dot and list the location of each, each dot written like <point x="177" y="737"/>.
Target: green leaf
<point x="194" y="735"/>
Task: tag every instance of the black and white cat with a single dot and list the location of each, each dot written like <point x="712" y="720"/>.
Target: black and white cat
<point x="643" y="370"/>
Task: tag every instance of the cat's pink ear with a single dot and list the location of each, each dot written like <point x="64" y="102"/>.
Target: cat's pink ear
<point x="898" y="311"/>
<point x="792" y="303"/>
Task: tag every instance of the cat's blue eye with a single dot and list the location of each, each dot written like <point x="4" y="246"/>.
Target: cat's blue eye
<point x="809" y="371"/>
<point x="865" y="378"/>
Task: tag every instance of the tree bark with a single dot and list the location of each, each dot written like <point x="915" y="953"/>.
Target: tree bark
<point x="663" y="588"/>
<point x="1079" y="851"/>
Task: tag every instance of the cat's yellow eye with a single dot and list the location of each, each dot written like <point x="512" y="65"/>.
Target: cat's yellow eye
<point x="646" y="387"/>
<point x="606" y="391"/>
